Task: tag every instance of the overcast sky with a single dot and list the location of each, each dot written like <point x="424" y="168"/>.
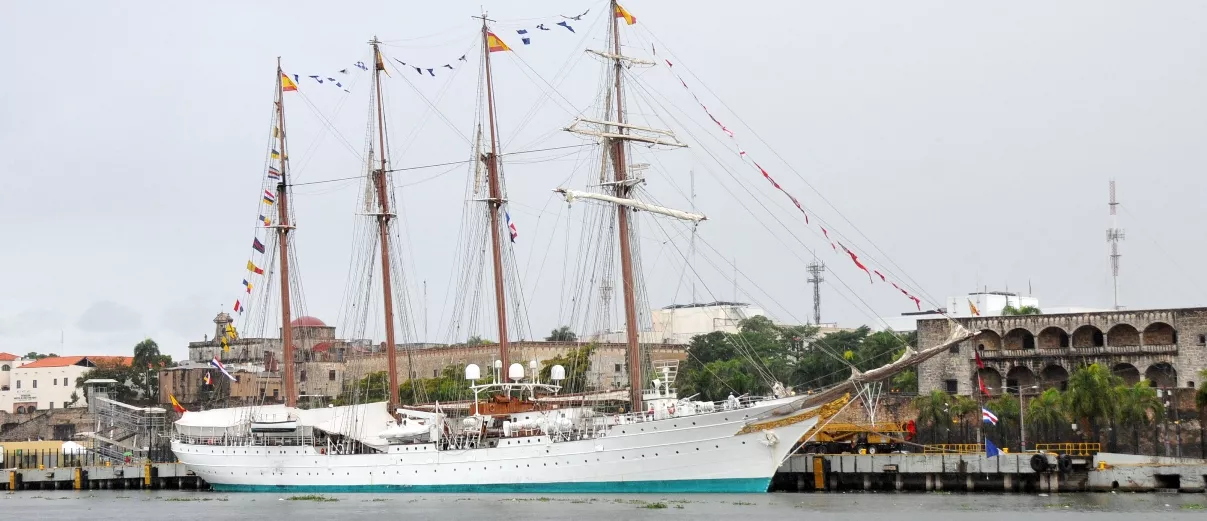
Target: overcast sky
<point x="971" y="143"/>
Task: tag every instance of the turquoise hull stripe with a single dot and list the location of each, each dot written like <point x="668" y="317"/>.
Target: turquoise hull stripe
<point x="742" y="485"/>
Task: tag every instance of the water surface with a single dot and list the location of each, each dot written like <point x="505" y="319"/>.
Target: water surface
<point x="183" y="505"/>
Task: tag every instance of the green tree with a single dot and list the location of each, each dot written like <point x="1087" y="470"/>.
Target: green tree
<point x="126" y="389"/>
<point x="721" y="377"/>
<point x="906" y="381"/>
<point x="967" y="412"/>
<point x="34" y="355"/>
<point x="1022" y="310"/>
<point x="562" y="334"/>
<point x="577" y="363"/>
<point x="1090" y="398"/>
<point x="934" y="412"/>
<point x="1138" y="405"/>
<point x="477" y="340"/>
<point x="1046" y="412"/>
<point x="1005" y="407"/>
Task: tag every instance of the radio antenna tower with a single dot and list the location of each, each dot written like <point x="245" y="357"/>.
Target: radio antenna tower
<point x="815" y="268"/>
<point x="1113" y="236"/>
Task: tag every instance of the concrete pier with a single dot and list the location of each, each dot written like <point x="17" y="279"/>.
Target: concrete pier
<point x="146" y="476"/>
<point x="977" y="473"/>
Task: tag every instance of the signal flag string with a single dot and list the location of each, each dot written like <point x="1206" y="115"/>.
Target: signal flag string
<point x="745" y="156"/>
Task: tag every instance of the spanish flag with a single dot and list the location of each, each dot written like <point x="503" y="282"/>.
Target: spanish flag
<point x="628" y="18"/>
<point x="176" y="405"/>
<point x="494" y="43"/>
<point x="287" y="84"/>
<point x="972" y="308"/>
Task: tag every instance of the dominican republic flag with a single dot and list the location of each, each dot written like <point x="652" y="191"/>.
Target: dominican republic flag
<point x="511" y="226"/>
<point x="218" y="365"/>
<point x="987" y="416"/>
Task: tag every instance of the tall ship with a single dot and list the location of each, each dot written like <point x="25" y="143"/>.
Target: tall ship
<point x="519" y="431"/>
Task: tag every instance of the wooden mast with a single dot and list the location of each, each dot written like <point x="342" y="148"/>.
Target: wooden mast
<point x="622" y="219"/>
<point x="283" y="227"/>
<point x="383" y="226"/>
<point x="495" y="202"/>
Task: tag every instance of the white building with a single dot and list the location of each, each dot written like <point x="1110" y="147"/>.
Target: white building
<point x="49" y="383"/>
<point x="8" y="362"/>
<point x="678" y="323"/>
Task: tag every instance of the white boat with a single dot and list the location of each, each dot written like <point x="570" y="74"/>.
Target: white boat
<point x="723" y="451"/>
<point x="663" y="444"/>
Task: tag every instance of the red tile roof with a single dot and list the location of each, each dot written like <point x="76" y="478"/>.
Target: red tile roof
<point x="64" y="361"/>
<point x="6" y="357"/>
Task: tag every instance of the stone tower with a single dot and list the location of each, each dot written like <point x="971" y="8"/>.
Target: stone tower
<point x="220" y="323"/>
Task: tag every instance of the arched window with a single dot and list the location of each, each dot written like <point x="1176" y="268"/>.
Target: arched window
<point x="4" y="367"/>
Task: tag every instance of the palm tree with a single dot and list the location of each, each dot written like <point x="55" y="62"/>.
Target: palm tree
<point x="1047" y="411"/>
<point x="1005" y="407"/>
<point x="562" y="334"/>
<point x="967" y="411"/>
<point x="934" y="411"/>
<point x="1090" y="399"/>
<point x="1138" y="405"/>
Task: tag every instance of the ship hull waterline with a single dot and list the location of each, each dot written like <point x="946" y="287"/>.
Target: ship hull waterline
<point x="704" y="453"/>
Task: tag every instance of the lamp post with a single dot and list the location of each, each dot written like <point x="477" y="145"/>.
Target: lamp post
<point x="1022" y="411"/>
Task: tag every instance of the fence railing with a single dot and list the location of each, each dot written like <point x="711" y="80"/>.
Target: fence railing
<point x="954" y="448"/>
<point x="1072" y="449"/>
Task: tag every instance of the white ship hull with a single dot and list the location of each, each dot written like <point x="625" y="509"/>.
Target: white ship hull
<point x="698" y="453"/>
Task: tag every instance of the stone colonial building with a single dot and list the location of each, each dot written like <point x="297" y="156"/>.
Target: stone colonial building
<point x="314" y="341"/>
<point x="1167" y="347"/>
<point x="324" y="364"/>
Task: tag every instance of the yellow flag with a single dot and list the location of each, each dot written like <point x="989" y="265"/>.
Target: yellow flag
<point x="381" y="64"/>
<point x="230" y="332"/>
<point x="972" y="308"/>
<point x="494" y="44"/>
<point x="628" y="18"/>
<point x="287" y="84"/>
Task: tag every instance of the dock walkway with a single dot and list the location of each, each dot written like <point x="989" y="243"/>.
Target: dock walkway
<point x="93" y="477"/>
<point x="977" y="472"/>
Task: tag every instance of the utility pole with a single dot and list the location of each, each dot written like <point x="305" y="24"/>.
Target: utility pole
<point x="815" y="268"/>
<point x="1113" y="236"/>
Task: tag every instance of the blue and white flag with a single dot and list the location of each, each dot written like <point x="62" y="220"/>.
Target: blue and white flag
<point x="991" y="450"/>
<point x="511" y="227"/>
